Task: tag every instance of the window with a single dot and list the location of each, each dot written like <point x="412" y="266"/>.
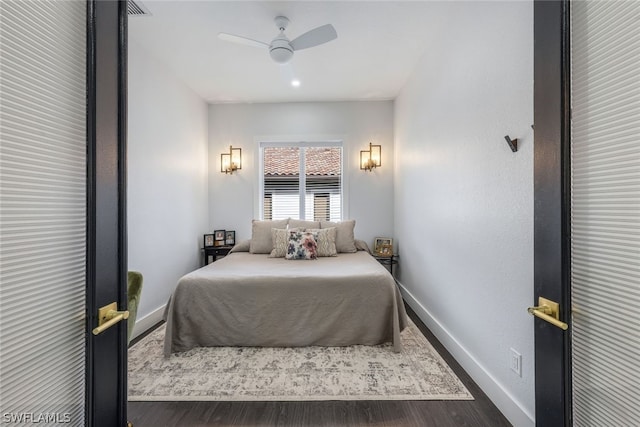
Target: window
<point x="301" y="181"/>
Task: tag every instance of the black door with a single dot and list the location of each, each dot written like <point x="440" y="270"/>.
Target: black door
<point x="551" y="210"/>
<point x="106" y="211"/>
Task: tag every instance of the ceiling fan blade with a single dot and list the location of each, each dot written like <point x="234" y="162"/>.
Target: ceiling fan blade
<point x="242" y="40"/>
<point x="312" y="38"/>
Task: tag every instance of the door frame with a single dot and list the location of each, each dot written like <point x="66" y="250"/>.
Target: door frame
<point x="552" y="198"/>
<point x="106" y="268"/>
<point x="106" y="376"/>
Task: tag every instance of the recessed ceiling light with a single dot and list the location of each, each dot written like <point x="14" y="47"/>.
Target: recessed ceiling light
<point x="295" y="83"/>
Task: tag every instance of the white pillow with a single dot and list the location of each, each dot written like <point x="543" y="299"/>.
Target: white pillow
<point x="345" y="239"/>
<point x="325" y="241"/>
<point x="300" y="223"/>
<point x="241" y="246"/>
<point x="261" y="242"/>
<point x="280" y="239"/>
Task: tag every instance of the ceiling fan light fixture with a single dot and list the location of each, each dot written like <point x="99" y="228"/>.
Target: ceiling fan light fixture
<point x="281" y="55"/>
<point x="280" y="50"/>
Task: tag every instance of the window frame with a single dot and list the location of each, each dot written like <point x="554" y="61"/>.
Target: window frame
<point x="302" y="144"/>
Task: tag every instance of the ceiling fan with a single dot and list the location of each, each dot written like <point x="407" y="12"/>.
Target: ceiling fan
<point x="281" y="48"/>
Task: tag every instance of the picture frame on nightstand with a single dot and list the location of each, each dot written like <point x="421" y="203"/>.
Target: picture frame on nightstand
<point x="383" y="246"/>
<point x="386" y="250"/>
<point x="230" y="238"/>
<point x="218" y="237"/>
<point x="209" y="240"/>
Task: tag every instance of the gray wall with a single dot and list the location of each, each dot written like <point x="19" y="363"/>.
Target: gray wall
<point x="464" y="201"/>
<point x="233" y="199"/>
<point x="167" y="181"/>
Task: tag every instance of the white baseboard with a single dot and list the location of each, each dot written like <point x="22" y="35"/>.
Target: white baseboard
<point x="145" y="323"/>
<point x="515" y="413"/>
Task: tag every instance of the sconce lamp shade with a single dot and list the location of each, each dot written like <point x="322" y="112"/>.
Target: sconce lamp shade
<point x="371" y="158"/>
<point x="231" y="161"/>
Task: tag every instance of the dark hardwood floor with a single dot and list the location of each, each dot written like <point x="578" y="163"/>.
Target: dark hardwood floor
<point x="437" y="413"/>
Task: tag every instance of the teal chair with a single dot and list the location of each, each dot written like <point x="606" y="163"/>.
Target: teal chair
<point x="134" y="288"/>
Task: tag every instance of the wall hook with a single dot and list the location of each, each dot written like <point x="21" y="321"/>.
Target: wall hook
<point x="513" y="143"/>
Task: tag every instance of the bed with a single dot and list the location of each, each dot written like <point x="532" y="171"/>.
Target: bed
<point x="247" y="299"/>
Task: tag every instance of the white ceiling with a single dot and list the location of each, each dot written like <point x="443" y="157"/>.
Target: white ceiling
<point x="378" y="46"/>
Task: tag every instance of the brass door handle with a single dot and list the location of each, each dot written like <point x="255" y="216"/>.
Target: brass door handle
<point x="109" y="316"/>
<point x="549" y="311"/>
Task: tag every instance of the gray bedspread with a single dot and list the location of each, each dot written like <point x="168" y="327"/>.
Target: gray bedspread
<point x="247" y="299"/>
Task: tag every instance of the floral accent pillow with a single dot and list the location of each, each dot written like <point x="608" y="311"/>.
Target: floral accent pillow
<point x="302" y="245"/>
<point x="326" y="241"/>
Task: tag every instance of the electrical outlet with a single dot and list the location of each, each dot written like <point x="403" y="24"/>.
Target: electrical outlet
<point x="516" y="362"/>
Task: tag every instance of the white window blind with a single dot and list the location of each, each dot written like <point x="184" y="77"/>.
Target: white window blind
<point x="605" y="212"/>
<point x="42" y="212"/>
<point x="281" y="179"/>
<point x="302" y="181"/>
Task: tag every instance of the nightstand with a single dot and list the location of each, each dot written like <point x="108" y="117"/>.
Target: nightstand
<point x="387" y="261"/>
<point x="214" y="252"/>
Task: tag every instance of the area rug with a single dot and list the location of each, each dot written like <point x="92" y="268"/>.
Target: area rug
<point x="300" y="373"/>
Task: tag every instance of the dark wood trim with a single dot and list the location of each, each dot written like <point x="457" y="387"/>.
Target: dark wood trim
<point x="551" y="207"/>
<point x="122" y="200"/>
<point x="91" y="306"/>
<point x="566" y="207"/>
<point x="106" y="367"/>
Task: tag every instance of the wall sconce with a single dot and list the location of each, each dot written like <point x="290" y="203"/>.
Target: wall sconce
<point x="231" y="161"/>
<point x="371" y="158"/>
